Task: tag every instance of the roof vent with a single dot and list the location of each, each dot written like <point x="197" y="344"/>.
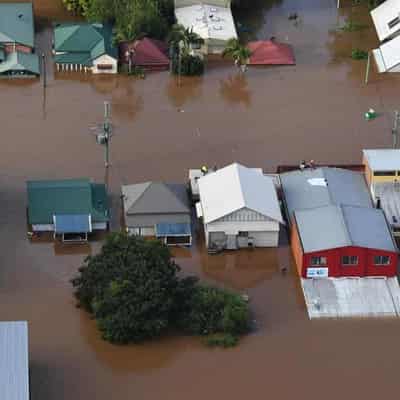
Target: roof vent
<point x="20" y="16"/>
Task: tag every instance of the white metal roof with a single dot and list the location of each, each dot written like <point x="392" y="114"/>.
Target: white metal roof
<point x="387" y="56"/>
<point x="236" y="187"/>
<point x="14" y="362"/>
<point x="383" y="159"/>
<point x="382" y="15"/>
<point x="209" y="22"/>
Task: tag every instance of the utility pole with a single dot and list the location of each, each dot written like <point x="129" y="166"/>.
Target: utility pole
<point x="104" y="136"/>
<point x="395" y="132"/>
<point x="368" y="67"/>
<point x="44" y="70"/>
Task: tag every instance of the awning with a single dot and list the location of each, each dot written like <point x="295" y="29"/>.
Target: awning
<point x="168" y="229"/>
<point x="78" y="223"/>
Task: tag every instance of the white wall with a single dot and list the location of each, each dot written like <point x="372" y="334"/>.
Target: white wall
<point x="105" y="59"/>
<point x="233" y="227"/>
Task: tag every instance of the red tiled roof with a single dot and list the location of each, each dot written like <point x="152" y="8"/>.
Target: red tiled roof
<point x="269" y="52"/>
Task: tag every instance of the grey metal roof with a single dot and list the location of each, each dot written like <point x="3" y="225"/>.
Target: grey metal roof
<point x="324" y="186"/>
<point x="383" y="159"/>
<point x="331" y="227"/>
<point x="155" y="198"/>
<point x="14" y="362"/>
<point x="389" y="194"/>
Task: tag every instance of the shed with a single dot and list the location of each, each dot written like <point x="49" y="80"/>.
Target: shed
<point x="270" y="52"/>
<point x="212" y="23"/>
<point x="239" y="207"/>
<point x="150" y="54"/>
<point x="14" y="360"/>
<point x="382" y="170"/>
<point x="386" y="19"/>
<point x="85" y="47"/>
<point x="357" y="242"/>
<point x="157" y="209"/>
<point x="387" y="57"/>
<point x="72" y="206"/>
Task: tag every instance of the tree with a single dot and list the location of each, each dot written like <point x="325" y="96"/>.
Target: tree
<point x="184" y="39"/>
<point x="129" y="287"/>
<point x="238" y="52"/>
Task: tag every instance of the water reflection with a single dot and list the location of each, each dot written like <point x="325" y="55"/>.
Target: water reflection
<point x="125" y="102"/>
<point x="235" y="90"/>
<point x="188" y="89"/>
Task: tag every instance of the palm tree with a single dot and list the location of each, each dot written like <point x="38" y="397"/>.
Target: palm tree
<point x="238" y="52"/>
<point x="187" y="37"/>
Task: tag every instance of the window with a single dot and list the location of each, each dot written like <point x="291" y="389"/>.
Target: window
<point x="316" y="261"/>
<point x="243" y="234"/>
<point x="381" y="260"/>
<point x="384" y="173"/>
<point x="104" y="66"/>
<point x="350" y="260"/>
<point x="393" y="22"/>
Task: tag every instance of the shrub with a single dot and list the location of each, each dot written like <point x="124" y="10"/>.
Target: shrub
<point x="189" y="65"/>
<point x="221" y="340"/>
<point x="358" y="54"/>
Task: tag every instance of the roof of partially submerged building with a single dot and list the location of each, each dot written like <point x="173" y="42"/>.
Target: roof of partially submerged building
<point x="47" y="198"/>
<point x="14" y="360"/>
<point x="16" y="23"/>
<point x="383" y="159"/>
<point x="20" y="61"/>
<point x="343" y="226"/>
<point x="155" y="198"/>
<point x="270" y="52"/>
<point x="387" y="55"/>
<point x="385" y="19"/>
<point x="219" y="3"/>
<point x="317" y="187"/>
<point x="209" y="22"/>
<point x="236" y="187"/>
<point x="82" y="43"/>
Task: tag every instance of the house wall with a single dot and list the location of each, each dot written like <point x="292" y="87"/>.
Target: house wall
<point x="234" y="227"/>
<point x="149" y="220"/>
<point x="105" y="60"/>
<point x="218" y="3"/>
<point x="297" y="248"/>
<point x="365" y="265"/>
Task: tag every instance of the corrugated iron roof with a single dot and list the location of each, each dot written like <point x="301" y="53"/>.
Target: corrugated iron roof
<point x="383" y="159"/>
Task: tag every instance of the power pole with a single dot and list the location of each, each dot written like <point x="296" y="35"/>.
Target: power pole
<point x="395" y="132"/>
<point x="104" y="137"/>
<point x="44" y="70"/>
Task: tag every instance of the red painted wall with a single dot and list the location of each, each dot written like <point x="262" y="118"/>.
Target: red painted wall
<point x="9" y="48"/>
<point x="365" y="265"/>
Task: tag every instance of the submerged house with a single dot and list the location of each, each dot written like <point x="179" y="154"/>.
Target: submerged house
<point x="382" y="171"/>
<point x="70" y="208"/>
<point x="387" y="56"/>
<point x="150" y="54"/>
<point x="14" y="360"/>
<point x="159" y="210"/>
<point x="212" y="21"/>
<point x="239" y="207"/>
<point x="17" y="37"/>
<point x="386" y="18"/>
<point x="335" y="230"/>
<point x="85" y="47"/>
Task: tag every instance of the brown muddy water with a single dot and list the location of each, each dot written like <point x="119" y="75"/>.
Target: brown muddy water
<point x="270" y="116"/>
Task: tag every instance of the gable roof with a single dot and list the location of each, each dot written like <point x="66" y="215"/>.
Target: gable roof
<point x="348" y="226"/>
<point x="236" y="187"/>
<point x="20" y="61"/>
<point x="82" y="43"/>
<point x="14" y="360"/>
<point x="66" y="197"/>
<point x="16" y="23"/>
<point x="383" y="159"/>
<point x="382" y="15"/>
<point x="147" y="52"/>
<point x="155" y="198"/>
<point x="319" y="187"/>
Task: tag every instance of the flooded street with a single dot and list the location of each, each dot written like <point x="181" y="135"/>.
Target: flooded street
<point x="270" y="116"/>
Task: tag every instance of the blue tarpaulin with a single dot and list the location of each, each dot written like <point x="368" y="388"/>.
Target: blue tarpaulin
<point x="79" y="223"/>
<point x="168" y="229"/>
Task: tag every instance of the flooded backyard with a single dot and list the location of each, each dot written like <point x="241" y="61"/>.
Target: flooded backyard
<point x="270" y="116"/>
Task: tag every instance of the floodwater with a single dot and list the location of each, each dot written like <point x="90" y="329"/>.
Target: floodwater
<point x="271" y="116"/>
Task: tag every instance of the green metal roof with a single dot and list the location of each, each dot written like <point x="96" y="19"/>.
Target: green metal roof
<point x="71" y="196"/>
<point x="20" y="62"/>
<point x="16" y="23"/>
<point x="81" y="43"/>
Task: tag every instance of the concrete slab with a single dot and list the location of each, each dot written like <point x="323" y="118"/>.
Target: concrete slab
<point x="352" y="297"/>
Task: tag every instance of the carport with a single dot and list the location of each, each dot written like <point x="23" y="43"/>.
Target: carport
<point x="174" y="234"/>
<point x="73" y="228"/>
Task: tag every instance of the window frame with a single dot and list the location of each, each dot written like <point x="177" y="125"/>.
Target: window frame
<point x="351" y="262"/>
<point x="322" y="261"/>
<point x="381" y="263"/>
